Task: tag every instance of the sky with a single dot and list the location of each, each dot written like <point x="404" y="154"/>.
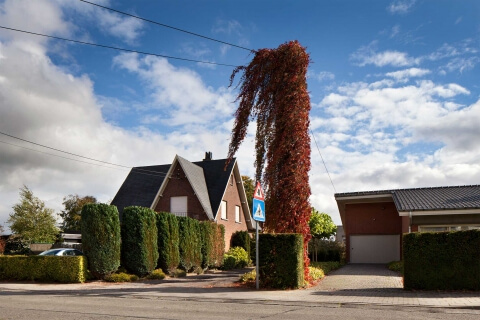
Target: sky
<point x="394" y="89"/>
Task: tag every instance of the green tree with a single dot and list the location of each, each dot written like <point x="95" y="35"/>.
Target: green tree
<point x="321" y="227"/>
<point x="249" y="186"/>
<point x="32" y="220"/>
<point x="72" y="213"/>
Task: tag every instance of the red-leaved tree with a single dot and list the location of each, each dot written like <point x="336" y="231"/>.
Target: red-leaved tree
<point x="273" y="91"/>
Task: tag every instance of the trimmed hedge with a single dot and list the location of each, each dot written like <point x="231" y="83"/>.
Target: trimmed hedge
<point x="281" y="260"/>
<point x="168" y="242"/>
<point x="241" y="239"/>
<point x="213" y="244"/>
<point x="442" y="261"/>
<point x="139" y="253"/>
<point x="101" y="238"/>
<point x="190" y="243"/>
<point x="44" y="268"/>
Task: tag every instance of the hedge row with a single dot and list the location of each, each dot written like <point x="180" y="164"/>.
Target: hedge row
<point x="44" y="268"/>
<point x="139" y="253"/>
<point x="101" y="238"/>
<point x="241" y="239"/>
<point x="442" y="261"/>
<point x="281" y="260"/>
<point x="188" y="243"/>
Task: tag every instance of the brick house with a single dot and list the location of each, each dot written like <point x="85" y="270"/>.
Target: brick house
<point x="374" y="221"/>
<point x="202" y="190"/>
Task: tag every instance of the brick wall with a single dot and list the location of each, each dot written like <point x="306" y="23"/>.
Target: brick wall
<point x="178" y="186"/>
<point x="379" y="218"/>
<point x="233" y="199"/>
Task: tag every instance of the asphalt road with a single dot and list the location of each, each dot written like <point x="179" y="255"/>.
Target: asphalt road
<point x="21" y="305"/>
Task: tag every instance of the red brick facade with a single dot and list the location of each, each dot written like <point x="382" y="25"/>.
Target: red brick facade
<point x="380" y="218"/>
<point x="232" y="198"/>
<point x="177" y="186"/>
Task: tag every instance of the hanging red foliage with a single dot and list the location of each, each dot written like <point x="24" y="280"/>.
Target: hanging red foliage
<point x="273" y="90"/>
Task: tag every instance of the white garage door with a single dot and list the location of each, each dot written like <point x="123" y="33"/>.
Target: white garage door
<point x="374" y="249"/>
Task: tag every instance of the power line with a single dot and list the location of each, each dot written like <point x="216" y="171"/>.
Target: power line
<point x="116" y="48"/>
<point x="167" y="26"/>
<point x="142" y="171"/>
<point x="324" y="164"/>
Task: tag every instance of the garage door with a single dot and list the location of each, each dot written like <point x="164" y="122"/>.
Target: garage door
<point x="374" y="249"/>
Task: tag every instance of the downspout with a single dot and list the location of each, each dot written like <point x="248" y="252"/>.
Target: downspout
<point x="410" y="222"/>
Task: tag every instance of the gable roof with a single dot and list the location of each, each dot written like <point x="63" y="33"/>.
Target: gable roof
<point x="196" y="177"/>
<point x="423" y="199"/>
<point x="140" y="187"/>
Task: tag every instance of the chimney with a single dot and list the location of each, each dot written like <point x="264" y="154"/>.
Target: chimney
<point x="208" y="156"/>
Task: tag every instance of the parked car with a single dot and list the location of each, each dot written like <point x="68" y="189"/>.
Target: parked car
<point x="62" y="252"/>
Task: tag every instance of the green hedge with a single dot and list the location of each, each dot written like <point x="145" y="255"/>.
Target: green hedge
<point x="213" y="244"/>
<point x="168" y="242"/>
<point x="190" y="247"/>
<point x="442" y="261"/>
<point x="101" y="238"/>
<point x="236" y="258"/>
<point x="281" y="260"/>
<point x="44" y="268"/>
<point x="241" y="239"/>
<point x="139" y="253"/>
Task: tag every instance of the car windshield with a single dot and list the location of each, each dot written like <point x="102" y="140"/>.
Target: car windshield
<point x="49" y="253"/>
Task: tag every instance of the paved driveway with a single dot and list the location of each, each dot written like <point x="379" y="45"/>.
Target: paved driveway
<point x="361" y="277"/>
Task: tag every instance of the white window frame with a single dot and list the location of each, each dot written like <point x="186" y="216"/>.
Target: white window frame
<point x="223" y="210"/>
<point x="176" y="202"/>
<point x="237" y="214"/>
<point x="448" y="228"/>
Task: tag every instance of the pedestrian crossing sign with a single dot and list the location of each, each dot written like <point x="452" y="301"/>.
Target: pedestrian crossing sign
<point x="258" y="204"/>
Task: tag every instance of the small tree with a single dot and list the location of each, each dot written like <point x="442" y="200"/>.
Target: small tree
<point x="72" y="213"/>
<point x="139" y="240"/>
<point x="101" y="238"/>
<point x="321" y="227"/>
<point x="32" y="220"/>
<point x="190" y="243"/>
<point x="168" y="242"/>
<point x="249" y="186"/>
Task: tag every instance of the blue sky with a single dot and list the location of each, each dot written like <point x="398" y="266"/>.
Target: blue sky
<point x="394" y="89"/>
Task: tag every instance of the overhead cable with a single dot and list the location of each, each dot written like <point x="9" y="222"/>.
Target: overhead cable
<point x="117" y="48"/>
<point x="324" y="164"/>
<point x="167" y="26"/>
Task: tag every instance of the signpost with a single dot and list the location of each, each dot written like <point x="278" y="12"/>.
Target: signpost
<point x="259" y="216"/>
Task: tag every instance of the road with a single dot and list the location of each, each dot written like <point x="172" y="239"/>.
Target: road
<point x="40" y="306"/>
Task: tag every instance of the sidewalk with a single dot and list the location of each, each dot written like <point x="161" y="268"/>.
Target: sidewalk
<point x="222" y="287"/>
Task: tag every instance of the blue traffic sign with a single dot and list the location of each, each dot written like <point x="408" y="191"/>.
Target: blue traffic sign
<point x="258" y="204"/>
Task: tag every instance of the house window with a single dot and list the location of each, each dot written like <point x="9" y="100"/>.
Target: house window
<point x="178" y="206"/>
<point x="447" y="228"/>
<point x="224" y="210"/>
<point x="237" y="214"/>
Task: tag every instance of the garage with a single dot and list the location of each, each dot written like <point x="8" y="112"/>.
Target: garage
<point x="374" y="248"/>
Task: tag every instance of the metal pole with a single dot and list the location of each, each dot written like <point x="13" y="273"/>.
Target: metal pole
<point x="256" y="256"/>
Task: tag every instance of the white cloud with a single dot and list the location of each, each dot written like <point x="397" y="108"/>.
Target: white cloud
<point x="400" y="6"/>
<point x="368" y="55"/>
<point x="322" y="75"/>
<point x="407" y="73"/>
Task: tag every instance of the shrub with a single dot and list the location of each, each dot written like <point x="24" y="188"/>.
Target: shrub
<point x="44" y="268"/>
<point x="281" y="260"/>
<point x="442" y="261"/>
<point x="327" y="267"/>
<point x="315" y="273"/>
<point x="139" y="240"/>
<point x="16" y="245"/>
<point x="237" y="257"/>
<point x="190" y="243"/>
<point x="101" y="238"/>
<point x="249" y="276"/>
<point x="156" y="275"/>
<point x="326" y="250"/>
<point x="396" y="266"/>
<point x="179" y="273"/>
<point x="241" y="239"/>
<point x="213" y="244"/>
<point x="168" y="242"/>
<point x="121" y="277"/>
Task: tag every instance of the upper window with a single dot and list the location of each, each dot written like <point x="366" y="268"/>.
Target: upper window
<point x="178" y="206"/>
<point x="237" y="214"/>
<point x="224" y="210"/>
